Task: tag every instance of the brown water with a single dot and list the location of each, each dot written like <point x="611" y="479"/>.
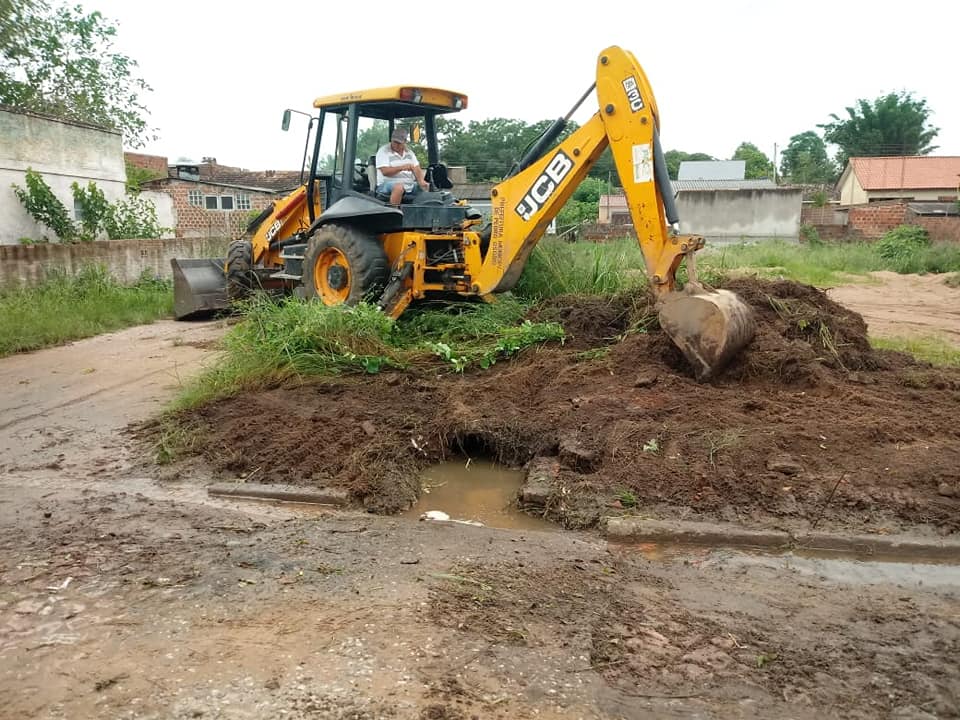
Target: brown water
<point x="478" y="491"/>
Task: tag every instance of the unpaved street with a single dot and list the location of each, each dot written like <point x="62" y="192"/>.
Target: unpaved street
<point x="906" y="306"/>
<point x="124" y="597"/>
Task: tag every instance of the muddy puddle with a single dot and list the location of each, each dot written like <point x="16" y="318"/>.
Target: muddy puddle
<point x="477" y="491"/>
<point x="831" y="566"/>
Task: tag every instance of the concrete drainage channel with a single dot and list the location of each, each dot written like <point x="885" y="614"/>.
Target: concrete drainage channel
<point x="479" y="492"/>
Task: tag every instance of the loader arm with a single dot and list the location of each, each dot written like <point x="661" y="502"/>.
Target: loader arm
<point x="288" y="217"/>
<point x="524" y="205"/>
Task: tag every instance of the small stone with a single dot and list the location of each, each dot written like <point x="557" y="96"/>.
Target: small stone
<point x="784" y="464"/>
<point x="541" y="475"/>
<point x="368" y="427"/>
<point x="574" y="453"/>
<point x="647" y="380"/>
<point x="946" y="489"/>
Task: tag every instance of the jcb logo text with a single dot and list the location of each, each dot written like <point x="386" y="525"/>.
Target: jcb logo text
<point x="633" y="94"/>
<point x="545" y="185"/>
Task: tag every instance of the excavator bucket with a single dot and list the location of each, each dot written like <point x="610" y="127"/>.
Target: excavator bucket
<point x="709" y="326"/>
<point x="199" y="287"/>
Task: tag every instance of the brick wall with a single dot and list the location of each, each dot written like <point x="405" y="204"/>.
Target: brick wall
<point x="810" y="215"/>
<point x="28" y="265"/>
<point x="939" y="228"/>
<point x="872" y="221"/>
<point x="198" y="222"/>
<point x="156" y="163"/>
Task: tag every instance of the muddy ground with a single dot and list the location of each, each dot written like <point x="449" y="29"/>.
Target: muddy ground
<point x="128" y="596"/>
<point x="807" y="427"/>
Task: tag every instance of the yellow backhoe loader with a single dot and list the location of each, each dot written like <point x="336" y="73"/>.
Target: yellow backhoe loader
<point x="335" y="239"/>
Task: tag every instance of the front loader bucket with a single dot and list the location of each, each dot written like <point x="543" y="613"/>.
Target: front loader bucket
<point x="199" y="287"/>
<point x="709" y="326"/>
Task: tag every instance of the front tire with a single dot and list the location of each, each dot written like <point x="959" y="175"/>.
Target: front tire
<point x="240" y="278"/>
<point x="344" y="265"/>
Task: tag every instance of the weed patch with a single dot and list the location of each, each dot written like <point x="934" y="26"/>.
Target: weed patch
<point x="279" y="340"/>
<point x="66" y="308"/>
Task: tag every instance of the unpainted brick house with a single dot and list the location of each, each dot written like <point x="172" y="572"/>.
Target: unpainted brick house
<point x="211" y="200"/>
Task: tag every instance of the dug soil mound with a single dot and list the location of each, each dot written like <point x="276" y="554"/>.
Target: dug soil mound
<point x="808" y="425"/>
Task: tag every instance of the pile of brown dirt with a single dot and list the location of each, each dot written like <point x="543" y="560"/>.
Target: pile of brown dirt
<point x="808" y="413"/>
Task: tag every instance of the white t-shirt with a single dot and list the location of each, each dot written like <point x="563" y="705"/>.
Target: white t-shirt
<point x="387" y="157"/>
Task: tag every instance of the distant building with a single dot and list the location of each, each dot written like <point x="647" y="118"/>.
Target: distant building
<point x="905" y="177"/>
<point x="211" y="200"/>
<point x="63" y="152"/>
<point x="712" y="170"/>
<point x="714" y="200"/>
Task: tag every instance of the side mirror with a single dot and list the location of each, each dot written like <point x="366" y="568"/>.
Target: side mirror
<point x="285" y="125"/>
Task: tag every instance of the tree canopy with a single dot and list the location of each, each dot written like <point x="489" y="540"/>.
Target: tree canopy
<point x="60" y="61"/>
<point x="758" y="164"/>
<point x="894" y="124"/>
<point x="805" y="160"/>
<point x="489" y="148"/>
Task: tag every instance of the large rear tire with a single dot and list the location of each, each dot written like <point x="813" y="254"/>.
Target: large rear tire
<point x="240" y="277"/>
<point x="344" y="265"/>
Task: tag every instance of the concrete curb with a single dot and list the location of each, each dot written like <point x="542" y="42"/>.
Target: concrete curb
<point x="637" y="529"/>
<point x="284" y="493"/>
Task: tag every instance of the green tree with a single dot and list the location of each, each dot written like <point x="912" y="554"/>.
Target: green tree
<point x="894" y="124"/>
<point x="758" y="164"/>
<point x="675" y="157"/>
<point x="805" y="160"/>
<point x="60" y="61"/>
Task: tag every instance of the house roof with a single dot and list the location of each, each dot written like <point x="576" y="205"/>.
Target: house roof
<point x="159" y="182"/>
<point x="712" y="170"/>
<point x="274" y="180"/>
<point x="934" y="208"/>
<point x="909" y="172"/>
<point x="688" y="185"/>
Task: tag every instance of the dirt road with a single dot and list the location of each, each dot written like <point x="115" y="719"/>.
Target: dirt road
<point x="124" y="597"/>
<point x="905" y="306"/>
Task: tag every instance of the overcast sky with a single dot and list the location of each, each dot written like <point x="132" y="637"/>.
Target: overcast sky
<point x="722" y="72"/>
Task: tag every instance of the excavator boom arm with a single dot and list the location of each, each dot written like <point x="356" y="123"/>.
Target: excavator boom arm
<point x="524" y="205"/>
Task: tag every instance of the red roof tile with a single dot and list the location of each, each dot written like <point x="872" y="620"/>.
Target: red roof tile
<point x="912" y="172"/>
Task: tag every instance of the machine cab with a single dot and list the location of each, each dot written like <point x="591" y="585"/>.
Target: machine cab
<point x="351" y="127"/>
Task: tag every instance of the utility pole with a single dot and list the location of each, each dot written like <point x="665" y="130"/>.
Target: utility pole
<point x="775" y="164"/>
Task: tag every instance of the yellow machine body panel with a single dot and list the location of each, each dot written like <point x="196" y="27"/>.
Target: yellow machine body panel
<point x="435" y="99"/>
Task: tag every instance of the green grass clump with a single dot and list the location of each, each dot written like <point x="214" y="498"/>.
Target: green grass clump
<point x="66" y="308"/>
<point x="277" y="340"/>
<point x="556" y="267"/>
<point x="933" y="350"/>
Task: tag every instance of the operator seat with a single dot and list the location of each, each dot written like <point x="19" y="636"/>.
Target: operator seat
<point x="372" y="177"/>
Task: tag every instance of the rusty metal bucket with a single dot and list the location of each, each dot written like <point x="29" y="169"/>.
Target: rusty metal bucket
<point x="709" y="326"/>
<point x="199" y="287"/>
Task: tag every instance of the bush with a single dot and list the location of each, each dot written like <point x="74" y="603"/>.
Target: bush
<point x="903" y="243"/>
<point x="809" y="234"/>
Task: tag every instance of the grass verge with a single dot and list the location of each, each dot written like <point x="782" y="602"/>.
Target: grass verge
<point x="823" y="265"/>
<point x="935" y="351"/>
<point x="68" y="308"/>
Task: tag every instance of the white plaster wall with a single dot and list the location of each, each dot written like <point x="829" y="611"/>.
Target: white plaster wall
<point x="64" y="153"/>
<point x="166" y="212"/>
